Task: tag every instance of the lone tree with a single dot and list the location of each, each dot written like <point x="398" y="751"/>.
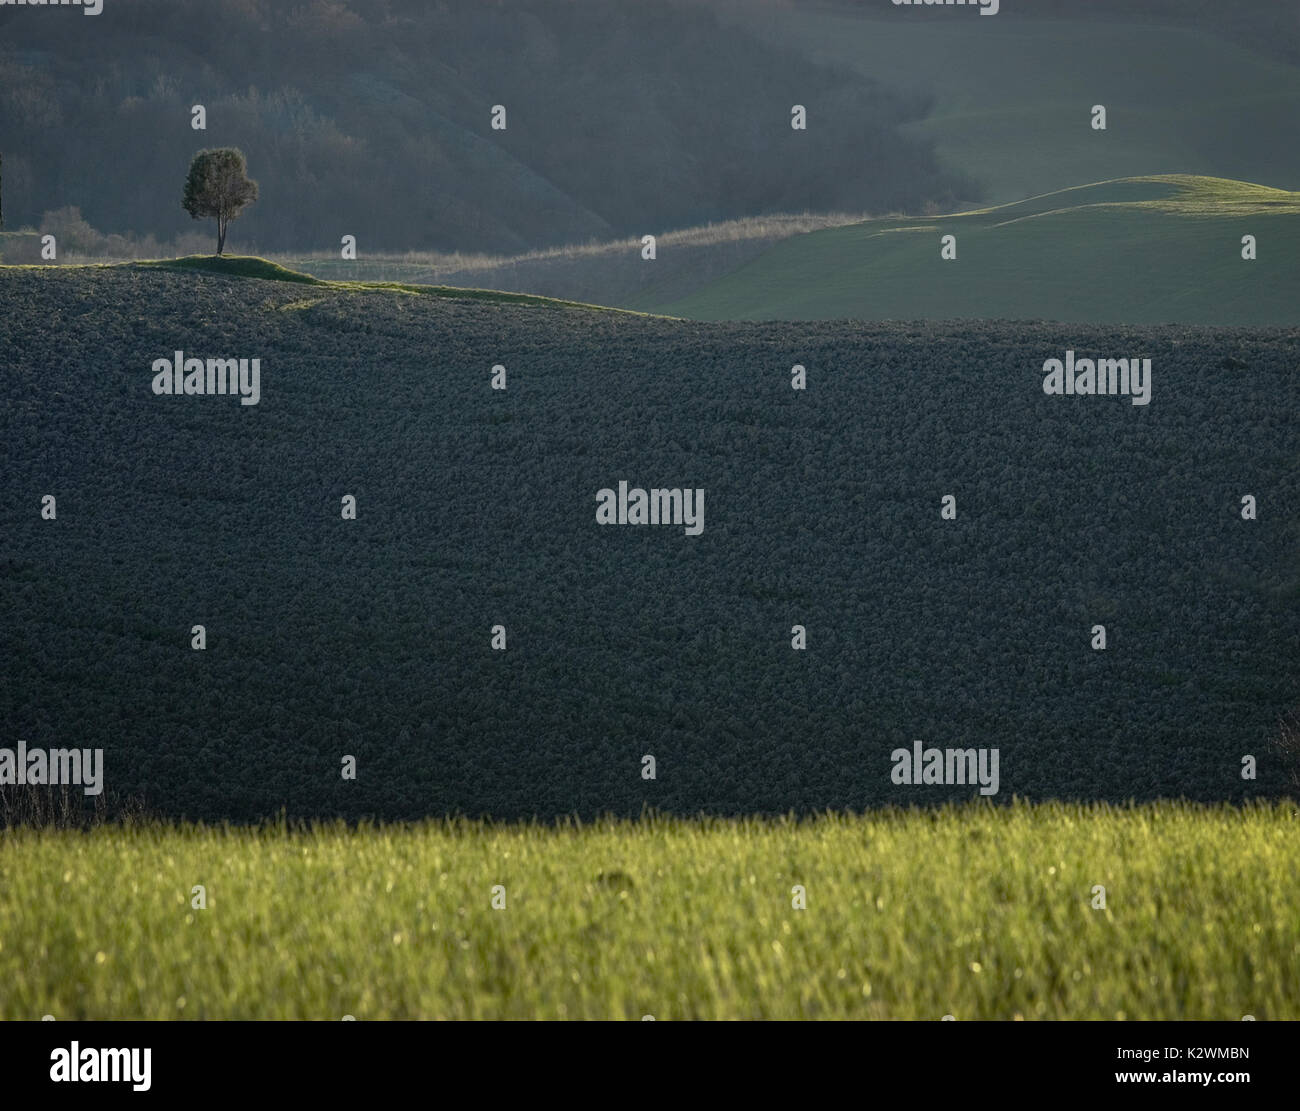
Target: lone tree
<point x="218" y="187"/>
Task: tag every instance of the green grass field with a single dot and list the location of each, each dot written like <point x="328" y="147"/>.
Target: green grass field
<point x="977" y="912"/>
<point x="1149" y="250"/>
<point x="1012" y="97"/>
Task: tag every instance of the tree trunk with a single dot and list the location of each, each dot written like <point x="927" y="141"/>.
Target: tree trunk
<point x="221" y="235"/>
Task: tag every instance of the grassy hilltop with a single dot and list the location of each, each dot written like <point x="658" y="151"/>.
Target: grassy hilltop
<point x="1142" y="250"/>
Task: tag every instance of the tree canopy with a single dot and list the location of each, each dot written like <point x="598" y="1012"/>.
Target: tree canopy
<point x="218" y="187"/>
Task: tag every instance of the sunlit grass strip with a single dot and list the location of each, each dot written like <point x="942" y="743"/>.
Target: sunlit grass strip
<point x="250" y="266"/>
<point x="981" y="912"/>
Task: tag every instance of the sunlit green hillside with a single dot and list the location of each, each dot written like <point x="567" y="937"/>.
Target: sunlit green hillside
<point x="1147" y="250"/>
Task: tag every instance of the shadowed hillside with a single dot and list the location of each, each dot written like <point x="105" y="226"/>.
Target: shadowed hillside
<point x="371" y="637"/>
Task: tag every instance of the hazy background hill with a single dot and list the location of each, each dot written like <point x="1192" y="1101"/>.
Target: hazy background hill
<point x="623" y="117"/>
<point x="372" y="118"/>
<point x="1189" y="87"/>
<point x="672" y="119"/>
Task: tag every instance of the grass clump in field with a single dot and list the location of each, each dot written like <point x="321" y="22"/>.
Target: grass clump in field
<point x="975" y="911"/>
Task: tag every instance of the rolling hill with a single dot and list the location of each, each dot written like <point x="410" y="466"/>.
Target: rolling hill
<point x="1163" y="249"/>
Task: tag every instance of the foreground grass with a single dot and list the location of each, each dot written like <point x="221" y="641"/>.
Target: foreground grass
<point x="978" y="912"/>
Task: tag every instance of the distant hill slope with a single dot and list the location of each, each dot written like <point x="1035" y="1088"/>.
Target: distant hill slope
<point x="370" y="637"/>
<point x="610" y="272"/>
<point x="1164" y="249"/>
<point x="1012" y="94"/>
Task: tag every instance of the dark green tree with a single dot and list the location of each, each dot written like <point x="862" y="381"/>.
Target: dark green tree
<point x="218" y="187"/>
